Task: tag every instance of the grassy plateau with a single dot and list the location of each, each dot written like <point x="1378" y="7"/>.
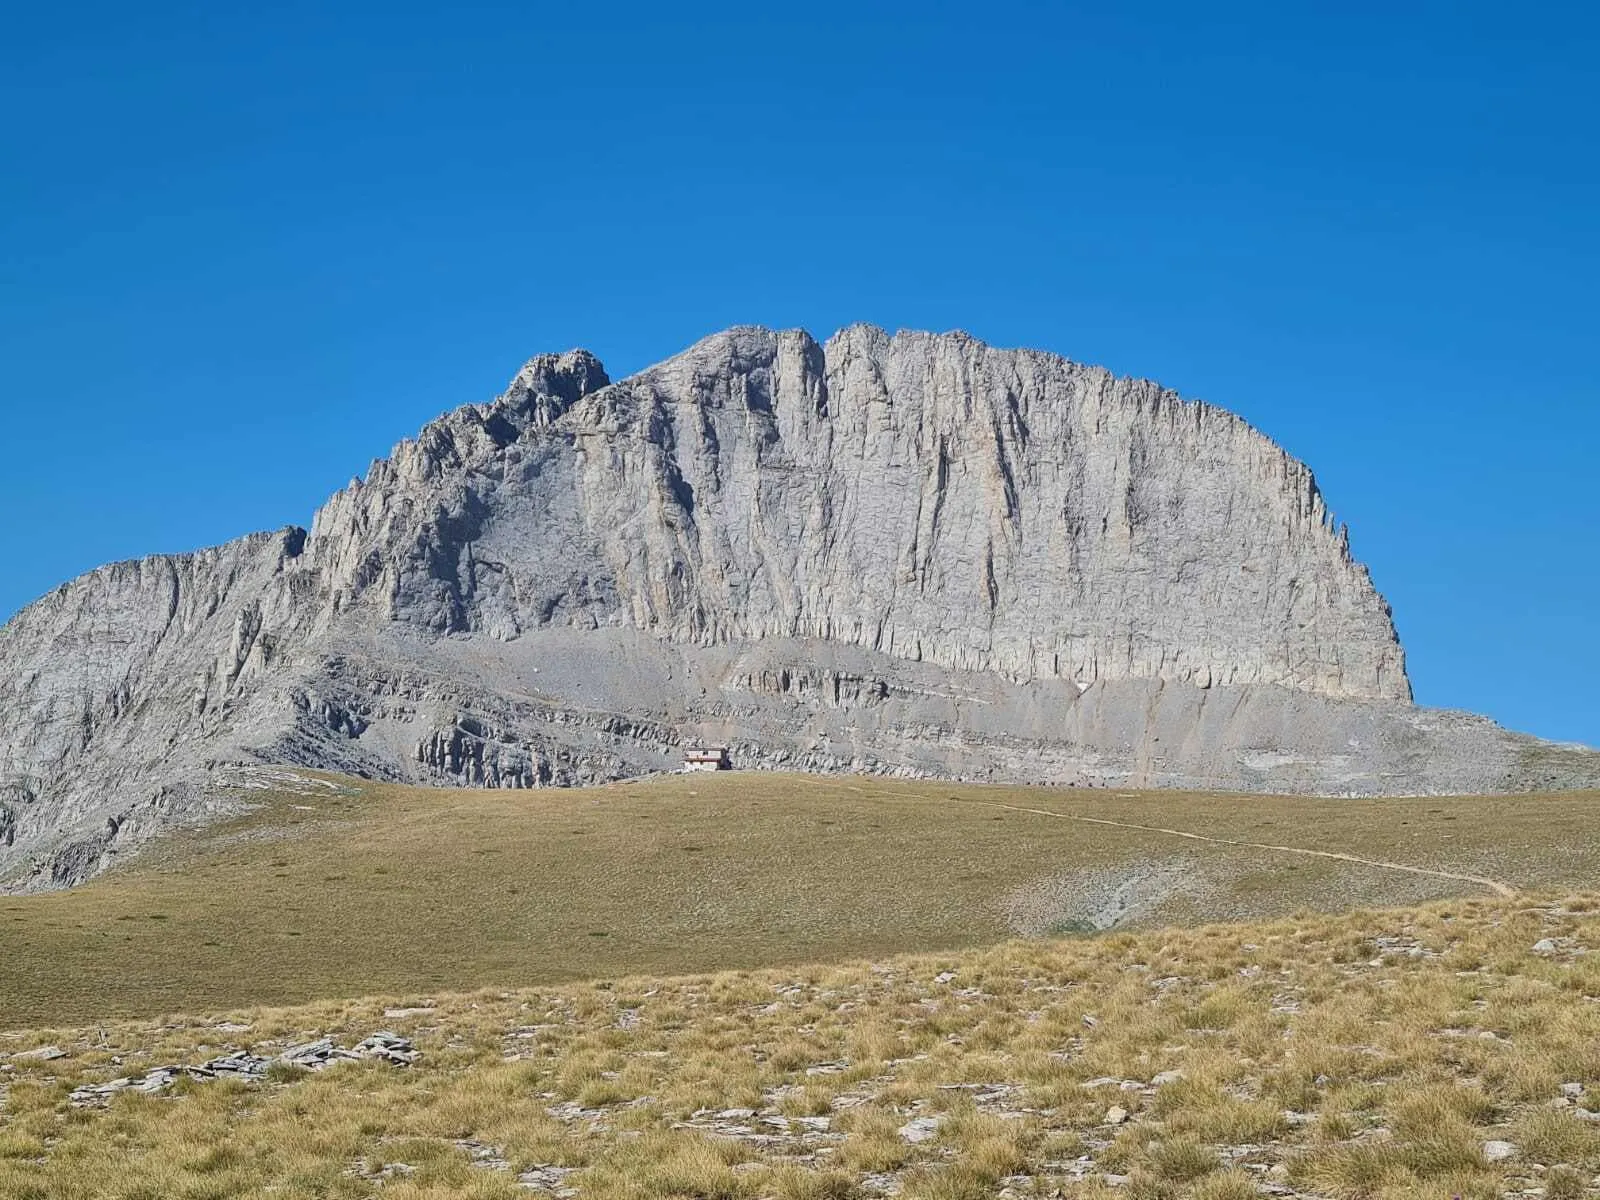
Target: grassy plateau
<point x="383" y="889"/>
<point x="610" y="995"/>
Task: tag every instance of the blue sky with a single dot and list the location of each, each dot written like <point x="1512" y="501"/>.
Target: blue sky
<point x="245" y="250"/>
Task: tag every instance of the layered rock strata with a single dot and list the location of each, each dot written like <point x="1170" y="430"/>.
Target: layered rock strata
<point x="911" y="553"/>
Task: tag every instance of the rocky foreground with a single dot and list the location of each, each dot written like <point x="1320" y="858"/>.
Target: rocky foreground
<point x="910" y="554"/>
<point x="1447" y="1051"/>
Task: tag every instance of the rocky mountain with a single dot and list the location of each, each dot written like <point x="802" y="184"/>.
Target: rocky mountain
<point x="911" y="554"/>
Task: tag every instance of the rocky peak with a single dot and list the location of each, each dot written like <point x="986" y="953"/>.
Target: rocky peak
<point x="905" y="552"/>
<point x="938" y="499"/>
<point x="549" y="384"/>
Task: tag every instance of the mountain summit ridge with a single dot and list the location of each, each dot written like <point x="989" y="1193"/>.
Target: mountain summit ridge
<point x="908" y="553"/>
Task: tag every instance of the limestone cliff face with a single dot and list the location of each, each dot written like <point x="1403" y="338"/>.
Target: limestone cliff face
<point x="121" y="673"/>
<point x="992" y="510"/>
<point x="913" y="553"/>
<point x="925" y="496"/>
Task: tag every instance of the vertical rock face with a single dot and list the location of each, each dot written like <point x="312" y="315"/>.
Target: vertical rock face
<point x="991" y="510"/>
<point x="924" y="496"/>
<point x="910" y="553"/>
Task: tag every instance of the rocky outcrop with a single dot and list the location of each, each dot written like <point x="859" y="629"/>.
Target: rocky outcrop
<point x="988" y="510"/>
<point x="925" y="496"/>
<point x="911" y="553"/>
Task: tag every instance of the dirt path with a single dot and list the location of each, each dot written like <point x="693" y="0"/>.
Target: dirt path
<point x="1494" y="885"/>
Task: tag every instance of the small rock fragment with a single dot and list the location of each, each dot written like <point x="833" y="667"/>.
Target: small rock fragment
<point x="547" y="1179"/>
<point x="1556" y="945"/>
<point x="920" y="1129"/>
<point x="43" y="1054"/>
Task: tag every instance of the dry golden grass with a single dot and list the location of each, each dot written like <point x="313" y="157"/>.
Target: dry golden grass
<point x="1370" y="1054"/>
<point x="396" y="889"/>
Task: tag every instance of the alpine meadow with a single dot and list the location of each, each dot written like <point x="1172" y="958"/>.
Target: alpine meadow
<point x="843" y="602"/>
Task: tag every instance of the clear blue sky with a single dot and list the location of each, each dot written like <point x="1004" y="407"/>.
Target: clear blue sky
<point x="244" y="249"/>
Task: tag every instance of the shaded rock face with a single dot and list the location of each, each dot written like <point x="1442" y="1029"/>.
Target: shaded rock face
<point x="914" y="554"/>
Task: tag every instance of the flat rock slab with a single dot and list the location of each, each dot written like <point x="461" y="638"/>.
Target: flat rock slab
<point x="252" y="1068"/>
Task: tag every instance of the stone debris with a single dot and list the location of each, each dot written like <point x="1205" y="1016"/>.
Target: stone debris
<point x="483" y="1156"/>
<point x="314" y="1056"/>
<point x="767" y="1129"/>
<point x="367" y="1169"/>
<point x="570" y="1111"/>
<point x="1552" y="946"/>
<point x="1496" y="1151"/>
<point x="990" y="1097"/>
<point x="253" y="778"/>
<point x="1122" y="1085"/>
<point x="829" y="1068"/>
<point x="42" y="1054"/>
<point x="548" y="1179"/>
<point x="541" y="1178"/>
<point x="1116" y="1115"/>
<point x="920" y="1129"/>
<point x="252" y="1068"/>
<point x="1400" y="945"/>
<point x="390" y="1047"/>
<point x="597" y="1120"/>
